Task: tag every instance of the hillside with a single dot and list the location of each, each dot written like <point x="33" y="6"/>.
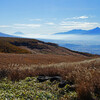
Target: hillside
<point x="33" y="46"/>
<point x="20" y="73"/>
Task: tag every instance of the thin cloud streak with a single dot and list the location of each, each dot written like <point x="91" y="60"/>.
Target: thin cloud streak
<point x="81" y="17"/>
<point x="77" y="17"/>
<point x="4" y="26"/>
<point x="27" y="25"/>
<point x="35" y="19"/>
<point x="50" y="23"/>
<point x="69" y="25"/>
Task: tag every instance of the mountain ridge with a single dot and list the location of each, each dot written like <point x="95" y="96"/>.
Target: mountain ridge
<point x="18" y="33"/>
<point x="94" y="31"/>
<point x="5" y="35"/>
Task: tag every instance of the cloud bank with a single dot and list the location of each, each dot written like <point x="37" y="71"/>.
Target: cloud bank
<point x="48" y="26"/>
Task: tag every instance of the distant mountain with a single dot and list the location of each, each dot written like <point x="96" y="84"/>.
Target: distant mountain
<point x="75" y="31"/>
<point x="5" y="35"/>
<point x="18" y="33"/>
<point x="95" y="31"/>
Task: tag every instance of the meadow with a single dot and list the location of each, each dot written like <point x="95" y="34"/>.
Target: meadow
<point x="19" y="72"/>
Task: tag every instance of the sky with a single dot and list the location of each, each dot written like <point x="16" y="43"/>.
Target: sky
<point x="38" y="18"/>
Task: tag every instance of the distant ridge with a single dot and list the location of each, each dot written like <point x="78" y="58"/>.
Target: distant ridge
<point x="18" y="33"/>
<point x="5" y="35"/>
<point x="75" y="31"/>
<point x="95" y="31"/>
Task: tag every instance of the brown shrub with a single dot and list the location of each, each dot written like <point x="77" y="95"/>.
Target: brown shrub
<point x="84" y="92"/>
<point x="3" y="73"/>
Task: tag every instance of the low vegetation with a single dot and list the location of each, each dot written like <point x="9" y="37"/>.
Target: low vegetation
<point x="31" y="89"/>
<point x="84" y="75"/>
<point x="19" y="72"/>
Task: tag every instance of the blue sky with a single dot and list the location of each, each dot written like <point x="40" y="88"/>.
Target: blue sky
<point x="45" y="17"/>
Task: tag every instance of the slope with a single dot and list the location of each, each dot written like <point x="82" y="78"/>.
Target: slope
<point x="33" y="46"/>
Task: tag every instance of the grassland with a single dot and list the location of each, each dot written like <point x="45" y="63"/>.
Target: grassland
<point x="23" y="60"/>
<point x="7" y="58"/>
<point x="15" y="69"/>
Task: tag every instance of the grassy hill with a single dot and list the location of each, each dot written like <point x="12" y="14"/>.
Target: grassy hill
<point x="21" y="45"/>
<point x="7" y="47"/>
<point x="33" y="46"/>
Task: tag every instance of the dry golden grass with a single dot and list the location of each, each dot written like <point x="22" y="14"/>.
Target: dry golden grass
<point x="6" y="58"/>
<point x="81" y="71"/>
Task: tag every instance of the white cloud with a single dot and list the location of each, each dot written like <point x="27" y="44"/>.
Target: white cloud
<point x="81" y="17"/>
<point x="26" y="25"/>
<point x="77" y="17"/>
<point x="69" y="25"/>
<point x="35" y="19"/>
<point x="4" y="26"/>
<point x="21" y="26"/>
<point x="50" y="23"/>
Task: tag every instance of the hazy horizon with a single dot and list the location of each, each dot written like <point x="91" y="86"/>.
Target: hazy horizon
<point x="45" y="17"/>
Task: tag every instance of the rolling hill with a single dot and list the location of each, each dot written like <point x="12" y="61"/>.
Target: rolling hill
<point x="33" y="46"/>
